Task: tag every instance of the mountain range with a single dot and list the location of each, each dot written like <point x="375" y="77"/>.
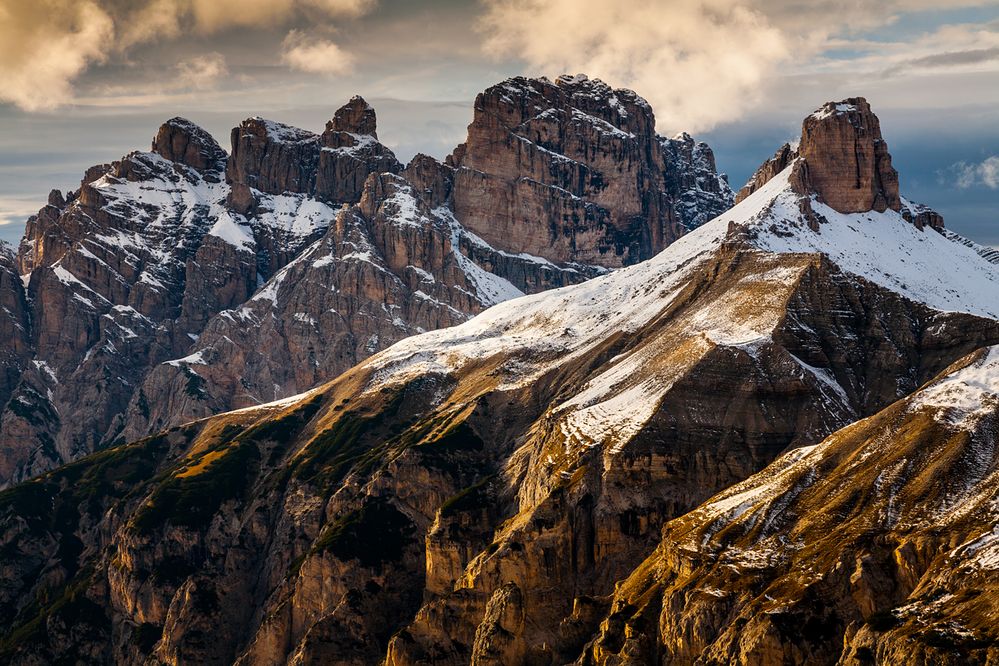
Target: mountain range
<point x="563" y="398"/>
<point x="185" y="281"/>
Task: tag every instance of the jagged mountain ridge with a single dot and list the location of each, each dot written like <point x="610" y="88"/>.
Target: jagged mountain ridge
<point x="142" y="282"/>
<point x="473" y="494"/>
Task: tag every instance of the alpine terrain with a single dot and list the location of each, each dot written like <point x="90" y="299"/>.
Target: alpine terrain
<point x="184" y="281"/>
<point x="760" y="434"/>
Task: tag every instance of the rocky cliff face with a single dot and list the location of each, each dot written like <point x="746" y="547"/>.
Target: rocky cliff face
<point x="499" y="491"/>
<point x="573" y="170"/>
<point x="351" y="151"/>
<point x="845" y="162"/>
<point x="878" y="545"/>
<point x="14" y="324"/>
<point x="181" y="141"/>
<point x="848" y="161"/>
<point x="180" y="282"/>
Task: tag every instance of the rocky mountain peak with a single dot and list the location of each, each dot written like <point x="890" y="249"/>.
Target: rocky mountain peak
<point x="350" y="152"/>
<point x="433" y="180"/>
<point x="180" y="140"/>
<point x="849" y="166"/>
<point x="270" y="157"/>
<point x="573" y="170"/>
<point x="356" y="116"/>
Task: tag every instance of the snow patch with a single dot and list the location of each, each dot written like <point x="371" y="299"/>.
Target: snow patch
<point x="967" y="395"/>
<point x="233" y="232"/>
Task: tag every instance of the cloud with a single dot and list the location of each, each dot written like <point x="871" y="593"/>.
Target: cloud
<point x="984" y="173"/>
<point x="169" y="18"/>
<point x="704" y="62"/>
<point x="948" y="59"/>
<point x="202" y="71"/>
<point x="318" y="56"/>
<point x="699" y="62"/>
<point x="44" y="45"/>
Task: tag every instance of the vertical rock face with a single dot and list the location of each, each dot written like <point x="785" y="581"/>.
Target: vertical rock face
<point x="848" y="162"/>
<point x="14" y="324"/>
<point x="697" y="191"/>
<point x="572" y="170"/>
<point x="270" y="157"/>
<point x="350" y="152"/>
<point x="273" y="158"/>
<point x="355" y="117"/>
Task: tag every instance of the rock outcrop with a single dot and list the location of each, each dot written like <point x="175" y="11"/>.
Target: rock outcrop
<point x="350" y="152"/>
<point x="843" y="161"/>
<point x="181" y="141"/>
<point x="849" y="166"/>
<point x="14" y="324"/>
<point x="272" y="158"/>
<point x="698" y="192"/>
<point x="572" y="170"/>
<point x="773" y="166"/>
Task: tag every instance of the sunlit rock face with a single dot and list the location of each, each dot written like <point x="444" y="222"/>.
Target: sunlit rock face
<point x="573" y="170"/>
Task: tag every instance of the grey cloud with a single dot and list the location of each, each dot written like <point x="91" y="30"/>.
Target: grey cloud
<point x="946" y="59"/>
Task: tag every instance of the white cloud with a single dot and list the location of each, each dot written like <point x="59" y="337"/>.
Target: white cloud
<point x="167" y="18"/>
<point x="44" y="45"/>
<point x="350" y="8"/>
<point x="315" y="55"/>
<point x="704" y="62"/>
<point x="984" y="173"/>
<point x="698" y="62"/>
<point x="202" y="71"/>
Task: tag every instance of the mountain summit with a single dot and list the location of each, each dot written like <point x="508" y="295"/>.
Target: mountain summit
<point x="597" y="474"/>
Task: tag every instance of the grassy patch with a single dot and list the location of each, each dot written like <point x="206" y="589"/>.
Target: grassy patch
<point x="191" y="501"/>
<point x="224" y="472"/>
<point x="475" y="497"/>
<point x="374" y="534"/>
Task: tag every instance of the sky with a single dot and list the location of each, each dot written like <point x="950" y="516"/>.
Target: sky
<point x="86" y="81"/>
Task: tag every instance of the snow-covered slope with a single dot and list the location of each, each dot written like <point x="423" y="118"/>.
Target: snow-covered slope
<point x="921" y="265"/>
<point x="924" y="265"/>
